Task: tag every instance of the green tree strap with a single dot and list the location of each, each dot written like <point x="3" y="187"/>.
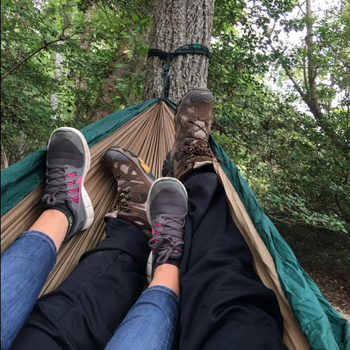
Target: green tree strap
<point x="192" y="49"/>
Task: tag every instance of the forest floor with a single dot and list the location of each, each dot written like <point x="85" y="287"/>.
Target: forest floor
<point x="326" y="258"/>
<point x="332" y="288"/>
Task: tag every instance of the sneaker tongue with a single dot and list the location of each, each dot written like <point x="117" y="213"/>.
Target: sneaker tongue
<point x="173" y="225"/>
<point x="64" y="152"/>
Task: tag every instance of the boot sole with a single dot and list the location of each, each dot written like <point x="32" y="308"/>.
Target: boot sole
<point x="183" y="101"/>
<point x="167" y="170"/>
<point x="137" y="161"/>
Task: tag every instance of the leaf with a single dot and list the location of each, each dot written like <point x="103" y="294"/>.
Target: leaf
<point x="129" y="53"/>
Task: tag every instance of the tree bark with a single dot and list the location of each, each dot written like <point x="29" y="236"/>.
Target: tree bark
<point x="177" y="23"/>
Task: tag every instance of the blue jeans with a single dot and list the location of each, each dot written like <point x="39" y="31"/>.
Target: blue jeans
<point x="25" y="266"/>
<point x="151" y="322"/>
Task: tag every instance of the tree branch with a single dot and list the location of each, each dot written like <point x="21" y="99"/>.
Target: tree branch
<point x="310" y="97"/>
<point x="287" y="70"/>
<point x="305" y="75"/>
<point x="290" y="76"/>
<point x="61" y="38"/>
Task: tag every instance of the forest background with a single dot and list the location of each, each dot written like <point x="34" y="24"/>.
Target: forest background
<point x="280" y="74"/>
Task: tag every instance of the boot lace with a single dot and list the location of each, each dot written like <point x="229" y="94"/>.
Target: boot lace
<point x="193" y="149"/>
<point x="123" y="198"/>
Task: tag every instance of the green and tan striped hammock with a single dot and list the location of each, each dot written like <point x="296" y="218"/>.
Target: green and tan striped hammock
<point x="147" y="129"/>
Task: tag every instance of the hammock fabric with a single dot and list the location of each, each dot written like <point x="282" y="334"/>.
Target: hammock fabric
<point x="147" y="129"/>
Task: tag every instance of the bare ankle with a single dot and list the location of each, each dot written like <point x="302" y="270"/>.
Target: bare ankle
<point x="54" y="224"/>
<point x="167" y="275"/>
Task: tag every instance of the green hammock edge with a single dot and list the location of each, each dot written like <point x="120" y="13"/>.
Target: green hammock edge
<point x="323" y="327"/>
<point x="321" y="324"/>
<point x="18" y="180"/>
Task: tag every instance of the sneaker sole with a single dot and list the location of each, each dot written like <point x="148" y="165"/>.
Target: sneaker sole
<point x="149" y="268"/>
<point x="85" y="199"/>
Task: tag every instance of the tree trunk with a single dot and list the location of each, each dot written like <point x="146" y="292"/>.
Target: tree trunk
<point x="104" y="104"/>
<point x="4" y="160"/>
<point x="85" y="44"/>
<point x="81" y="85"/>
<point x="57" y="76"/>
<point x="177" y="23"/>
<point x="21" y="145"/>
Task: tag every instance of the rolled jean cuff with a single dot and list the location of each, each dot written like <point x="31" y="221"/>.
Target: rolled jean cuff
<point x="164" y="289"/>
<point x="43" y="237"/>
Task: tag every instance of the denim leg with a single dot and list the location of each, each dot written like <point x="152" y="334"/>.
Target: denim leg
<point x="86" y="309"/>
<point x="151" y="322"/>
<point x="25" y="266"/>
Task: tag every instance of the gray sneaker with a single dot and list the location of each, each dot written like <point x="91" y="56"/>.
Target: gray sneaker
<point x="67" y="163"/>
<point x="167" y="207"/>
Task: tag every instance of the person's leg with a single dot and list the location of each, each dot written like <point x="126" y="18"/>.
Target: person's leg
<point x="151" y="322"/>
<point x="84" y="311"/>
<point x="55" y="225"/>
<point x="26" y="264"/>
<point x="224" y="304"/>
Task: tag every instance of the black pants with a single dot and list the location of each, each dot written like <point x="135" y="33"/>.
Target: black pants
<point x="224" y="305"/>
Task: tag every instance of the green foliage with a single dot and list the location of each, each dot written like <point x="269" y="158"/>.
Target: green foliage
<point x="297" y="171"/>
<point x="65" y="52"/>
<point x="295" y="164"/>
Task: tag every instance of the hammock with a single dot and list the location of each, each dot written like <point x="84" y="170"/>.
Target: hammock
<point x="147" y="129"/>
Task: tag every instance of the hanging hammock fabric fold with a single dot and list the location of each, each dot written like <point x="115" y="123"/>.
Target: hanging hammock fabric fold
<point x="16" y="182"/>
<point x="147" y="130"/>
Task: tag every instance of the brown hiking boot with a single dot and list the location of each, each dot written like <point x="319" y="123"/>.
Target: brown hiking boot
<point x="134" y="179"/>
<point x="192" y="128"/>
